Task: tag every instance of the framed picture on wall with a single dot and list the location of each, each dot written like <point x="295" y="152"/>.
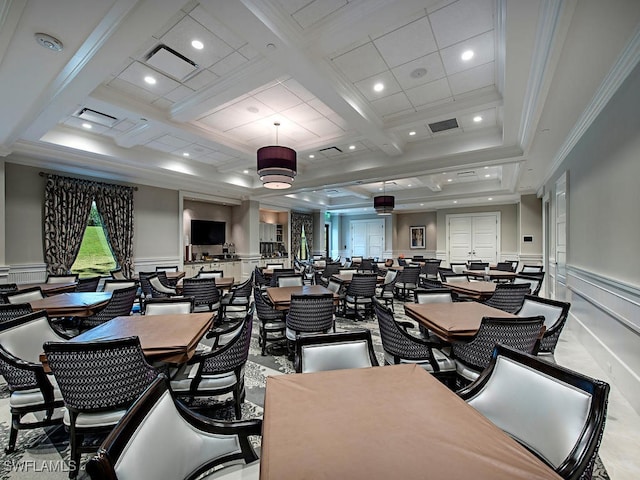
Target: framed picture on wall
<point x="417" y="235"/>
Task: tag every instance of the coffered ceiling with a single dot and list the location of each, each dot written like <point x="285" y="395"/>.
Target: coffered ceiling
<point x="181" y="95"/>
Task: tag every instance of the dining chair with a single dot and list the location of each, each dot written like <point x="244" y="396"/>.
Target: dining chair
<point x="509" y="296"/>
<point x="478" y="265"/>
<point x="160" y="438"/>
<point x="159" y="289"/>
<point x="272" y="325"/>
<point x="401" y="347"/>
<point x="99" y="381"/>
<point x="290" y="281"/>
<point x="432" y="295"/>
<point x="318" y="352"/>
<point x="117" y="274"/>
<point x="26" y="295"/>
<point x="120" y="304"/>
<point x="113" y="285"/>
<point x="407" y="282"/>
<point x="531" y="269"/>
<point x="385" y="292"/>
<point x="210" y="274"/>
<point x="309" y="314"/>
<point x="555" y="315"/>
<point x="273" y="281"/>
<point x="35" y="400"/>
<point x="458" y="267"/>
<point x="259" y="280"/>
<point x="7" y="288"/>
<point x="9" y="311"/>
<point x="89" y="284"/>
<point x="534" y="279"/>
<point x="237" y="299"/>
<point x="504" y="266"/>
<point x="70" y="278"/>
<point x="472" y="357"/>
<point x="556" y="413"/>
<point x="218" y="371"/>
<point x="167" y="268"/>
<point x="274" y="266"/>
<point x="204" y="292"/>
<point x="168" y="306"/>
<point x="359" y="295"/>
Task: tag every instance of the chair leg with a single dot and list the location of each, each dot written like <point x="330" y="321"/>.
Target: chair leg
<point x="13" y="433"/>
<point x="262" y="341"/>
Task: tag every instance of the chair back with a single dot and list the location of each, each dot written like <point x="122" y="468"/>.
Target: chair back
<point x="88" y="284"/>
<point x="120" y="304"/>
<point x="519" y="333"/>
<point x="203" y="291"/>
<point x="556" y="413"/>
<point x="555" y="315"/>
<point x="27" y="295"/>
<point x="430" y="268"/>
<point x="167" y="268"/>
<point x="366" y="265"/>
<point x="168" y="306"/>
<point x="8" y="288"/>
<point x="234" y="354"/>
<point x="9" y="311"/>
<point x="449" y="277"/>
<point x="274" y="266"/>
<point x="356" y="260"/>
<point x="362" y="285"/>
<point x="145" y="285"/>
<point x="264" y="310"/>
<point x="509" y="296"/>
<point x="117" y="274"/>
<point x="409" y="276"/>
<point x="210" y="274"/>
<point x="347" y="271"/>
<point x="433" y="295"/>
<point x="390" y="276"/>
<point x="334" y="285"/>
<point x="149" y="441"/>
<point x="504" y="266"/>
<point x="458" y="268"/>
<point x="310" y="313"/>
<point x="158" y="289"/>
<point x="98" y="376"/>
<point x="478" y="265"/>
<point x="319" y="352"/>
<point x="277" y="273"/>
<point x="534" y="279"/>
<point x="290" y="280"/>
<point x="62" y="278"/>
<point x="113" y="285"/>
<point x="23" y="336"/>
<point x="531" y="269"/>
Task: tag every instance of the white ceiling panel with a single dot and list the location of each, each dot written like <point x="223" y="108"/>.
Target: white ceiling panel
<point x="473" y="78"/>
<point x="482" y="46"/>
<point x="360" y="63"/>
<point x="407" y="43"/>
<point x="278" y="98"/>
<point x="209" y="22"/>
<point x="316" y="11"/>
<point x="392" y="104"/>
<point x="420" y="71"/>
<point x="387" y="79"/>
<point x="179" y="93"/>
<point x="461" y="20"/>
<point x="201" y="80"/>
<point x="429" y="93"/>
<point x="302" y="113"/>
<point x="136" y="73"/>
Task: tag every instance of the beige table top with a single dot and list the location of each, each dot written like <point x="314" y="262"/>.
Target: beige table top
<point x="75" y="304"/>
<point x="492" y="273"/>
<point x="347" y="277"/>
<point x="167" y="338"/>
<point x="354" y="428"/>
<point x="281" y="296"/>
<point x="455" y="321"/>
<point x="51" y="288"/>
<point x="170" y="275"/>
<point x="480" y="290"/>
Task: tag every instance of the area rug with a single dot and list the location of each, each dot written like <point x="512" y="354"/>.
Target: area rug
<point x="44" y="453"/>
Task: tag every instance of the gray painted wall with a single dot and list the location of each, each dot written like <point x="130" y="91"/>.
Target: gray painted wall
<point x="530" y="224"/>
<point x="403" y="221"/>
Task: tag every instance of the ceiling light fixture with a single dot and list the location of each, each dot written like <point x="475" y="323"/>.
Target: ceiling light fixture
<point x="185" y="154"/>
<point x="87" y="126"/>
<point x="197" y="44"/>
<point x="49" y="42"/>
<point x="467" y="55"/>
<point x="384" y="204"/>
<point x="312" y="156"/>
<point x="352" y="147"/>
<point x="277" y="166"/>
<point x="477" y="118"/>
<point x="150" y="80"/>
<point x="412" y="133"/>
<point x="378" y="87"/>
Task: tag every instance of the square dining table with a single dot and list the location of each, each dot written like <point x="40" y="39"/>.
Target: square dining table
<point x="51" y="288"/>
<point x="382" y="423"/>
<point x="74" y="304"/>
<point x="281" y="296"/>
<point x="480" y="290"/>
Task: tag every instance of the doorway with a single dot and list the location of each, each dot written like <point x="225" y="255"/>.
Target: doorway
<point x="473" y="236"/>
<point x="367" y="238"/>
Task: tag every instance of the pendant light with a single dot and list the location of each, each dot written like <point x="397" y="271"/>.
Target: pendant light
<point x="277" y="166"/>
<point x="384" y="203"/>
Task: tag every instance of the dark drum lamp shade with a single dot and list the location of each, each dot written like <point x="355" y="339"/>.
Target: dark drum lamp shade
<point x="277" y="166"/>
<point x="384" y="204"/>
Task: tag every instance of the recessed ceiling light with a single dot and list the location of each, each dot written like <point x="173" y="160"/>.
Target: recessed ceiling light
<point x="87" y="125"/>
<point x="467" y="55"/>
<point x="378" y="87"/>
<point x="185" y="154"/>
<point x="245" y="171"/>
<point x="490" y="198"/>
<point x="412" y="133"/>
<point x="352" y="147"/>
<point x="486" y="168"/>
<point x="312" y="156"/>
<point x="477" y="118"/>
<point x="409" y="185"/>
<point x="487" y="175"/>
<point x="380" y="188"/>
<point x="450" y="180"/>
<point x="422" y="204"/>
<point x="150" y="80"/>
<point x="197" y="44"/>
<point x="455" y="201"/>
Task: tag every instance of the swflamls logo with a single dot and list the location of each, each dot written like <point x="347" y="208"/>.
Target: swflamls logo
<point x="38" y="466"/>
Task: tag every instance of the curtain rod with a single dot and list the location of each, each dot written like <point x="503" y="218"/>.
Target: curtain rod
<point x="43" y="174"/>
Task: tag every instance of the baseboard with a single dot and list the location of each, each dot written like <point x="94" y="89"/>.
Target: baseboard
<point x="27" y="273"/>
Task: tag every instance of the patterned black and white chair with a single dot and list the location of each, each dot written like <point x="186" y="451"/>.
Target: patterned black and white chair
<point x="160" y="438"/>
<point x="366" y="265"/>
<point x="120" y="304"/>
<point x="117" y="274"/>
<point x="272" y="324"/>
<point x="168" y="306"/>
<point x="385" y="293"/>
<point x="160" y="289"/>
<point x="309" y="314"/>
<point x="359" y="295"/>
<point x="429" y="271"/>
<point x="218" y="371"/>
<point x="238" y="298"/>
<point x="145" y="285"/>
<point x="555" y="315"/>
<point x="167" y="268"/>
<point x="401" y="347"/>
<point x="98" y="382"/>
<point x="259" y="280"/>
<point x="9" y="311"/>
<point x="432" y="295"/>
<point x="472" y="357"/>
<point x="26" y="295"/>
<point x="509" y="296"/>
<point x="330" y="270"/>
<point x="557" y="414"/>
<point x="504" y="266"/>
<point x="7" y="288"/>
<point x="534" y="279"/>
<point x="113" y="285"/>
<point x="33" y="393"/>
<point x="407" y="282"/>
<point x="318" y="352"/>
<point x="478" y="265"/>
<point x="296" y="280"/>
<point x="210" y="274"/>
<point x="531" y="269"/>
<point x="273" y="281"/>
<point x="204" y="292"/>
<point x="88" y="284"/>
<point x="69" y="278"/>
<point x="458" y="267"/>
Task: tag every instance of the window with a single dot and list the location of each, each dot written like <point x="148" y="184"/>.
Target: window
<point x="303" y="254"/>
<point x="95" y="256"/>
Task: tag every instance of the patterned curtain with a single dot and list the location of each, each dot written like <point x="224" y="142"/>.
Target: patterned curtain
<point x="67" y="203"/>
<point x="297" y="221"/>
<point x="115" y="204"/>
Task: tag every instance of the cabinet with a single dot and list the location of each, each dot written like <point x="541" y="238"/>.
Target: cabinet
<point x="268" y="232"/>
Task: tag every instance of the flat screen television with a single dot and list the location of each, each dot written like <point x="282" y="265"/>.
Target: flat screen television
<point x="207" y="232"/>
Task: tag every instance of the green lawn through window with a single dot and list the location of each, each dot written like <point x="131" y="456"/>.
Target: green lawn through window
<point x="95" y="257"/>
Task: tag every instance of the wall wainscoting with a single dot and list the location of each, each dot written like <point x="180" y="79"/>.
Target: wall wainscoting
<point x="605" y="317"/>
<point x="27" y="273"/>
<point x="150" y="264"/>
<point x="525" y="259"/>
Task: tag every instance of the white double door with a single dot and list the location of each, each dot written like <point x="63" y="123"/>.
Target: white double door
<point x="474" y="236"/>
<point x="367" y="238"/>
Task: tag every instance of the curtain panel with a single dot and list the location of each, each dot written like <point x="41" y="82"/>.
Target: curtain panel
<point x="299" y="220"/>
<point x="67" y="205"/>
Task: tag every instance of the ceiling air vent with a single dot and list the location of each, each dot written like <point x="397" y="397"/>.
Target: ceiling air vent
<point x="97" y="117"/>
<point x="330" y="150"/>
<point x="171" y="62"/>
<point x="443" y="125"/>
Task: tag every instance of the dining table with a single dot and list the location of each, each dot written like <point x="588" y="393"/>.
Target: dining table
<point x="453" y="321"/>
<point x="50" y="288"/>
<point x="74" y="304"/>
<point x="171" y="276"/>
<point x="281" y="296"/>
<point x="479" y="290"/>
<point x="492" y="274"/>
<point x="164" y="338"/>
<point x="346" y="278"/>
<point x="380" y="423"/>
